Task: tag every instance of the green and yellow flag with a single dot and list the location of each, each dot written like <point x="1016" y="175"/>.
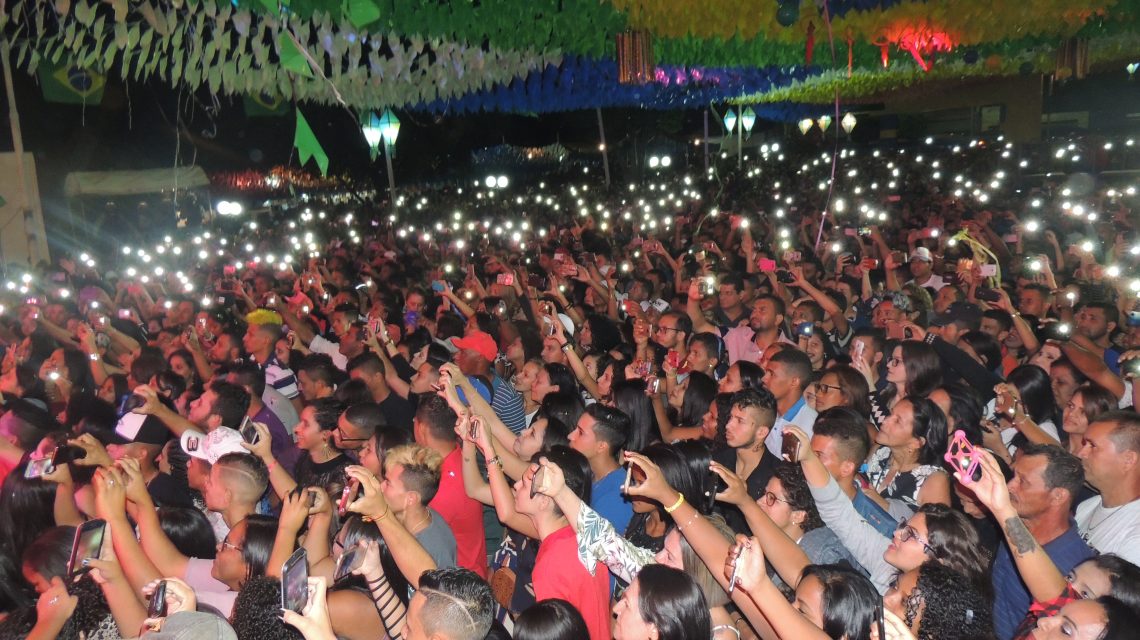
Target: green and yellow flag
<point x="265" y="105"/>
<point x="71" y="85"/>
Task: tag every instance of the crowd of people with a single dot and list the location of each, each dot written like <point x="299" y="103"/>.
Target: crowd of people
<point x="894" y="405"/>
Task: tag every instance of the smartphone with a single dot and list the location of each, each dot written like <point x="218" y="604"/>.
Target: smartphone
<point x="785" y="277"/>
<point x="473" y="426"/>
<point x="735" y="569"/>
<point x="962" y="457"/>
<point x="411" y="319"/>
<point x="348" y="562"/>
<point x="248" y="431"/>
<point x="1133" y="319"/>
<point x="628" y="477"/>
<point x="506" y="279"/>
<point x="438" y="285"/>
<point x="790" y="448"/>
<point x="654" y="385"/>
<point x="987" y="270"/>
<point x="869" y="264"/>
<point x="351" y="487"/>
<point x="537" y="480"/>
<point x="673" y="357"/>
<point x="536" y="281"/>
<point x="229" y="270"/>
<point x="38" y="468"/>
<point x="857" y="350"/>
<point x="716" y="485"/>
<point x="66" y="454"/>
<point x="295" y="582"/>
<point x="766" y="265"/>
<point x="805" y="329"/>
<point x="930" y="232"/>
<point x="851" y="232"/>
<point x="157" y="606"/>
<point x="987" y="295"/>
<point x="130" y="402"/>
<point x="88" y="543"/>
<point x="792" y="256"/>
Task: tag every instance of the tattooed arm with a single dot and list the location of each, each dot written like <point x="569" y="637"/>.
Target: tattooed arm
<point x="1041" y="576"/>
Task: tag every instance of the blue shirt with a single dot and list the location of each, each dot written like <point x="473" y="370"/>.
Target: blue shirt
<point x="607" y="499"/>
<point x="1011" y="598"/>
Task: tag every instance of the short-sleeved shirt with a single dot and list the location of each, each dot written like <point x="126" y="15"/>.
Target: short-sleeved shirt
<point x="398" y="412"/>
<point x="559" y="574"/>
<point x="1111" y="530"/>
<point x="1011" y="597"/>
<point x="800" y="415"/>
<point x="438" y="540"/>
<point x="209" y="589"/>
<point x="508" y="404"/>
<point x="607" y="499"/>
<point x="463" y="514"/>
<point x="280" y="377"/>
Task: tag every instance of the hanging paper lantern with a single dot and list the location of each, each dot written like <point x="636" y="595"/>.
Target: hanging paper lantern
<point x="788" y="13"/>
<point x="848" y="122"/>
<point x="634" y="57"/>
<point x="824" y="122"/>
<point x="729" y="120"/>
<point x="805" y="125"/>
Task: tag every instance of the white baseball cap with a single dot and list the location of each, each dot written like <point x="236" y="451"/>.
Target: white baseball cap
<point x="213" y="445"/>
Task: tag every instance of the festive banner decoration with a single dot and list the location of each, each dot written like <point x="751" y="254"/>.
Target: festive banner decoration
<point x="264" y="105"/>
<point x="307" y="146"/>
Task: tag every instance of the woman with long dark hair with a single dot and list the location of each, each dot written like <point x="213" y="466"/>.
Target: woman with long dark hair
<point x="664" y="603"/>
<point x="741" y="375"/>
<point x="1089" y="401"/>
<point x="907" y="464"/>
<point x="690" y="401"/>
<point x="1027" y="408"/>
<point x="842" y="386"/>
<point x="913" y="371"/>
<point x="630" y="398"/>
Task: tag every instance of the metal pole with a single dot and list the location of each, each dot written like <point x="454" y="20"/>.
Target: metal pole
<point x="706" y="140"/>
<point x="391" y="176"/>
<point x="605" y="149"/>
<point x="740" y="141"/>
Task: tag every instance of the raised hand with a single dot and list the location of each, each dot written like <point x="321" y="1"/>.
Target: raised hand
<point x="736" y="492"/>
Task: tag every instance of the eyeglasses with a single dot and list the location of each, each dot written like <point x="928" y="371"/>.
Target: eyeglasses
<point x="827" y="387"/>
<point x="771" y="499"/>
<point x="226" y="544"/>
<point x="907" y="532"/>
<point x="664" y="328"/>
<point x="344" y="438"/>
<point x="894" y="362"/>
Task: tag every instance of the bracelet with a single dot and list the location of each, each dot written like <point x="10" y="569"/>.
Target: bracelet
<point x="567" y="345"/>
<point x="387" y="509"/>
<point x="676" y="505"/>
<point x="496" y="460"/>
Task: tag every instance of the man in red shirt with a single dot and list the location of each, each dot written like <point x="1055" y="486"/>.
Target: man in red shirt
<point x="558" y="573"/>
<point x="434" y="428"/>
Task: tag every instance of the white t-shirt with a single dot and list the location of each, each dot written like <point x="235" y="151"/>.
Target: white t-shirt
<point x="804" y="419"/>
<point x="934" y="282"/>
<point x="1115" y="530"/>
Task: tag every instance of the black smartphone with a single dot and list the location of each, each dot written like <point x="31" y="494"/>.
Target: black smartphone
<point x="784" y="276"/>
<point x="716" y="485"/>
<point x="987" y="295"/>
<point x="157" y="606"/>
<point x="88" y="543"/>
<point x="295" y="582"/>
<point x="348" y="562"/>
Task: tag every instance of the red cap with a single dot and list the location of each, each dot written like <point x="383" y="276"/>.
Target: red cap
<point x="480" y="342"/>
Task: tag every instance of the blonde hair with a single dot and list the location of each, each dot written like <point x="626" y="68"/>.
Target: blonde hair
<point x="421" y="468"/>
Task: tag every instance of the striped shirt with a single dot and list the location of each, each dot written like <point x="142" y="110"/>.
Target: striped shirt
<point x="280" y="377"/>
<point x="508" y="404"/>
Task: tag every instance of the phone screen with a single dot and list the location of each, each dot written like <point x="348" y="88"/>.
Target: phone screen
<point x="88" y="543"/>
<point x="349" y="561"/>
<point x="248" y="431"/>
<point x="38" y="468"/>
<point x="348" y="495"/>
<point x="295" y="582"/>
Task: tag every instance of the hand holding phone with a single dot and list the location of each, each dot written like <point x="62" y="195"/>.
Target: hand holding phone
<point x="295" y="582"/>
<point x="156" y="608"/>
<point x="87" y="545"/>
<point x="348" y="495"/>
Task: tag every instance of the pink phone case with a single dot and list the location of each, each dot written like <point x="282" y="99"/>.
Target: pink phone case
<point x="960" y="454"/>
